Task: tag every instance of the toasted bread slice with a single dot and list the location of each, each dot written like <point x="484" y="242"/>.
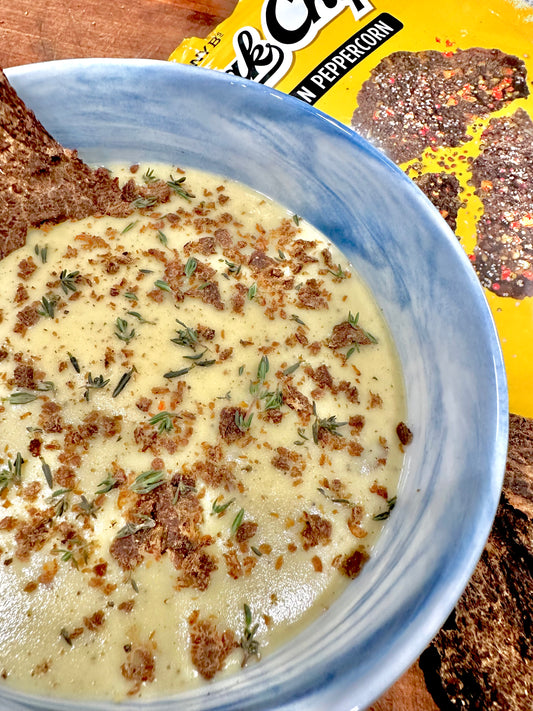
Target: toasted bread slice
<point x="40" y="181"/>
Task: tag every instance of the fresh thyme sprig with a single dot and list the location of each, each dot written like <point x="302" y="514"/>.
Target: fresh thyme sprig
<point x="339" y="273"/>
<point x="13" y="473"/>
<point x="87" y="508"/>
<point x="391" y="503"/>
<point x="122" y="332"/>
<point x="354" y="321"/>
<point x="248" y="643"/>
<point x="177" y="186"/>
<point x="186" y="336"/>
<point x="107" y="484"/>
<point x="233" y="268"/>
<point x="68" y="281"/>
<point x="329" y="424"/>
<point x="48" y="306"/>
<point x="303" y="437"/>
<point x="94" y="384"/>
<point x="148" y="481"/>
<point x="141" y="203"/>
<point x="144" y="523"/>
<point x="335" y="500"/>
<point x="60" y="499"/>
<point x="220" y="508"/>
<point x="273" y="400"/>
<point x="149" y="176"/>
<point x="243" y="422"/>
<point x="164" y="421"/>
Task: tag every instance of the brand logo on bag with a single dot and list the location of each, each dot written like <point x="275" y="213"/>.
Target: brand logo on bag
<point x="288" y="25"/>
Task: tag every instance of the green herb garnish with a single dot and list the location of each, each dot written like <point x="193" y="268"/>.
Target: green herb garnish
<point x="237" y="522"/>
<point x="13" y="473"/>
<point x="124" y="380"/>
<point x="164" y="421"/>
<point x="329" y="424"/>
<point x="48" y="306"/>
<point x="177" y="186"/>
<point x="391" y="503"/>
<point x="68" y="280"/>
<point x="148" y="481"/>
<point x="190" y="266"/>
<point x="131" y="527"/>
<point x="248" y="643"/>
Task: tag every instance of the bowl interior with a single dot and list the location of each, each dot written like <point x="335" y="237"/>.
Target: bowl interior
<point x="134" y="110"/>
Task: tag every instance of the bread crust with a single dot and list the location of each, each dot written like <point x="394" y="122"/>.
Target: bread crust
<point x="40" y="181"/>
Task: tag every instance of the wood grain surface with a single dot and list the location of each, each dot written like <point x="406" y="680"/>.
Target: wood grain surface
<point x="44" y="30"/>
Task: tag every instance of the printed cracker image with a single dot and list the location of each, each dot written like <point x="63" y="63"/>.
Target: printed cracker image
<point x="418" y="100"/>
<point x="503" y="176"/>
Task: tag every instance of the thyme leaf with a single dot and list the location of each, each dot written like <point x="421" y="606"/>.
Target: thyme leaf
<point x="129" y="227"/>
<point x="124" y="380"/>
<point x="148" y="176"/>
<point x="121" y="332"/>
<point x="47" y="473"/>
<point x="164" y="421"/>
<point x="138" y="316"/>
<point x="220" y="508"/>
<point x="41" y="252"/>
<point x="13" y="473"/>
<point x="142" y="203"/>
<point x="148" y="481"/>
<point x="107" y="484"/>
<point x="94" y="384"/>
<point x="186" y="336"/>
<point x="177" y="373"/>
<point x="145" y="522"/>
<point x="237" y="522"/>
<point x="292" y="368"/>
<point x="243" y="422"/>
<point x="48" y="306"/>
<point x="68" y="280"/>
<point x="248" y="643"/>
<point x="20" y="398"/>
<point x="162" y="285"/>
<point x="177" y="186"/>
<point x="329" y="424"/>
<point x="391" y="503"/>
<point x="190" y="266"/>
<point x="74" y="362"/>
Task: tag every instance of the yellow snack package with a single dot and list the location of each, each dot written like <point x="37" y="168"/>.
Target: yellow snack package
<point x="445" y="91"/>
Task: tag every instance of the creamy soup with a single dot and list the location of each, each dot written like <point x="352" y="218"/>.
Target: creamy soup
<point x="201" y="433"/>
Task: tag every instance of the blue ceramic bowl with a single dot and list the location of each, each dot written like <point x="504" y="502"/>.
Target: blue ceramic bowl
<point x="135" y="110"/>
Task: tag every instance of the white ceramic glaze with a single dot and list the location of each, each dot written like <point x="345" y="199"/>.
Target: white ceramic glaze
<point x="134" y="110"/>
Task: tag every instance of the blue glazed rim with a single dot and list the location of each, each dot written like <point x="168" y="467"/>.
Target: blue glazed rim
<point x="353" y="674"/>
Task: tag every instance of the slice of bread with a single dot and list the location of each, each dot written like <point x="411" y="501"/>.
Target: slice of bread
<point x="40" y="181"/>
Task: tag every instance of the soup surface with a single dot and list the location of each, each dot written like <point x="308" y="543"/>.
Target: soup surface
<point x="201" y="428"/>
